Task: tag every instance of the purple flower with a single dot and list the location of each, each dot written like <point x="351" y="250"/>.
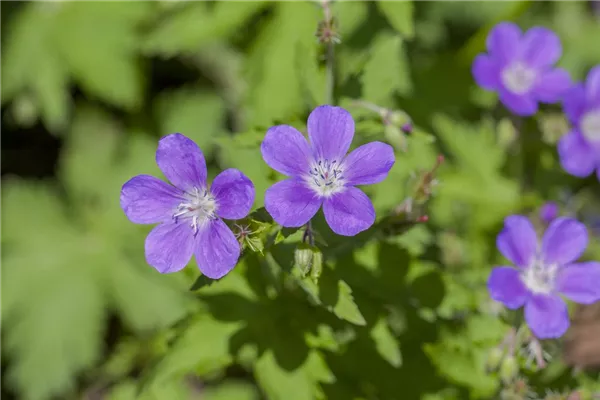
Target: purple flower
<point x="548" y="212"/>
<point x="322" y="174"/>
<point x="543" y="272"/>
<point x="579" y="150"/>
<point x="520" y="67"/>
<point x="188" y="213"/>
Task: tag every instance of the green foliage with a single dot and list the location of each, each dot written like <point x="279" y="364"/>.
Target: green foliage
<point x="386" y="72"/>
<point x="400" y="15"/>
<point x="399" y="311"/>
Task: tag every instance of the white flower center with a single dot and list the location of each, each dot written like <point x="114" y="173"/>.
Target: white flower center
<point x="518" y="78"/>
<point x="198" y="208"/>
<point x="540" y="278"/>
<point x="590" y="125"/>
<point x="325" y="177"/>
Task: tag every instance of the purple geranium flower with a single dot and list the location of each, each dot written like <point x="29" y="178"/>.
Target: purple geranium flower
<point x="520" y="67"/>
<point x="322" y="174"/>
<point x="543" y="272"/>
<point x="579" y="150"/>
<point x="548" y="212"/>
<point x="189" y="213"/>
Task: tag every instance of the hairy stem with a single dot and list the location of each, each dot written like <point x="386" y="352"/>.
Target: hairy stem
<point x="329" y="57"/>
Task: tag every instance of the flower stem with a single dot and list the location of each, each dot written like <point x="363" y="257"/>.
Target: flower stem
<point x="329" y="57"/>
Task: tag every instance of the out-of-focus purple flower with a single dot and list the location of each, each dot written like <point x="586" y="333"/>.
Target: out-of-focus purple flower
<point x="544" y="270"/>
<point x="549" y="211"/>
<point x="520" y="67"/>
<point x="189" y="212"/>
<point x="579" y="150"/>
<point x="322" y="174"/>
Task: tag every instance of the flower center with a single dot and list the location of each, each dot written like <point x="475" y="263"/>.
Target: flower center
<point x="325" y="177"/>
<point x="518" y="78"/>
<point x="590" y="125"/>
<point x="539" y="277"/>
<point x="198" y="207"/>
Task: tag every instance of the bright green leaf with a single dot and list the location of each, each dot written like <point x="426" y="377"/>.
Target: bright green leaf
<point x="400" y="15"/>
<point x="386" y="343"/>
<point x="101" y="55"/>
<point x="299" y="384"/>
<point x="197" y="114"/>
<point x="386" y="72"/>
<point x="345" y="307"/>
<point x="203" y="346"/>
<point x="275" y="87"/>
<point x="195" y="24"/>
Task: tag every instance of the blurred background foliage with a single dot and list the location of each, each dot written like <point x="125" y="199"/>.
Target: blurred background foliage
<point x="89" y="87"/>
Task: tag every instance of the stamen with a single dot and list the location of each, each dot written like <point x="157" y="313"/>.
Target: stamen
<point x="325" y="177"/>
<point x="198" y="207"/>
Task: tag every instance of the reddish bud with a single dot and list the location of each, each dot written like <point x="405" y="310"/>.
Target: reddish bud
<point x="423" y="218"/>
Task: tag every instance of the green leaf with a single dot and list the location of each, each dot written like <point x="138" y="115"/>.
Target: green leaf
<point x="275" y="91"/>
<point x="193" y="112"/>
<point x="128" y="390"/>
<point x="386" y="72"/>
<point x="400" y="15"/>
<point x="195" y="24"/>
<point x="97" y="41"/>
<point x="301" y="383"/>
<point x="346" y="308"/>
<point x="386" y="343"/>
<point x="463" y="367"/>
<point x="89" y="258"/>
<point x="203" y="346"/>
<point x="350" y="15"/>
<point x="51" y="87"/>
<point x="41" y="298"/>
<point x="231" y="390"/>
<point x="234" y="153"/>
<point x="30" y="63"/>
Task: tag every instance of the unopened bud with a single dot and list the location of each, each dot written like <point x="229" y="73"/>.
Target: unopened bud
<point x="509" y="369"/>
<point x="407" y="128"/>
<point x="548" y="212"/>
<point x="399" y="118"/>
<point x="303" y="258"/>
<point x="423" y="218"/>
<point x="317" y="265"/>
<point x="494" y="359"/>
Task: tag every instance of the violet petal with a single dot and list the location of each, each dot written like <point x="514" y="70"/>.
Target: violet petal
<point x="552" y="85"/>
<point x="331" y="130"/>
<point x="169" y="247"/>
<point x="503" y="41"/>
<point x="217" y="249"/>
<point x="547" y="316"/>
<point x="234" y="194"/>
<point x="349" y="212"/>
<point x="540" y="47"/>
<point x="564" y="241"/>
<point x="580" y="282"/>
<point x="291" y="203"/>
<point x="523" y="105"/>
<point x="148" y="200"/>
<point x="368" y="164"/>
<point x="505" y="286"/>
<point x="486" y="72"/>
<point x="577" y="157"/>
<point x="182" y="161"/>
<point x="518" y="241"/>
<point x="286" y="150"/>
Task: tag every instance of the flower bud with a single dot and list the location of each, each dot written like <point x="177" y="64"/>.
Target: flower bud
<point x="509" y="369"/>
<point x="399" y="118"/>
<point x="494" y="359"/>
<point x="317" y="265"/>
<point x="303" y="258"/>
